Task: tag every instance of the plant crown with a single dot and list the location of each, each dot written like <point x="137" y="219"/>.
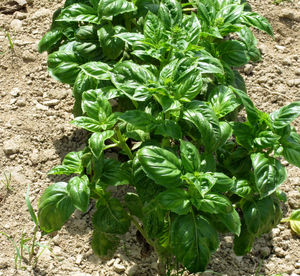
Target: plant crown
<point x="157" y="83"/>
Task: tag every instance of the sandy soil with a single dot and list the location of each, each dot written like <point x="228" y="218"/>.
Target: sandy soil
<point x="35" y="134"/>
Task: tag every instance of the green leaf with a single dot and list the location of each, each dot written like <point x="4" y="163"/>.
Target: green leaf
<point x="208" y="64"/>
<point x="192" y="28"/>
<point x="29" y="206"/>
<point x="226" y="133"/>
<point x="134" y="205"/>
<point x="190" y="157"/>
<point x="193" y="239"/>
<point x="223" y="100"/>
<point x="257" y="21"/>
<point x="242" y="188"/>
<point x="139" y="119"/>
<point x="97" y="140"/>
<point x="79" y="191"/>
<point x="133" y="80"/>
<point x="55" y="207"/>
<point x="268" y="172"/>
<point x="87" y="123"/>
<point x="202" y="182"/>
<point x="206" y="121"/>
<point x="130" y="38"/>
<point x="110" y="8"/>
<point x="86" y="33"/>
<point x="79" y="12"/>
<point x="71" y="164"/>
<point x="49" y="40"/>
<point x="103" y="244"/>
<point x="111" y="217"/>
<point x="260" y="216"/>
<point x="291" y="148"/>
<point x="175" y="200"/>
<point x="114" y="173"/>
<point x="154" y="30"/>
<point x="244" y="242"/>
<point x="285" y="115"/>
<point x="223" y="183"/>
<point x="295" y="221"/>
<point x="63" y="66"/>
<point x="97" y="70"/>
<point x="111" y="45"/>
<point x="232" y="222"/>
<point x="161" y="165"/>
<point x="233" y="53"/>
<point x="168" y="128"/>
<point x="266" y="139"/>
<point x="170" y="13"/>
<point x="213" y="204"/>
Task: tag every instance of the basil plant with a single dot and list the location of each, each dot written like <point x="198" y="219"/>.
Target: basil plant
<point x="156" y="82"/>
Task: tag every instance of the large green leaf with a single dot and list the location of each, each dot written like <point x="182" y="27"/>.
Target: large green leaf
<point x="133" y="80"/>
<point x="192" y="28"/>
<point x="49" y="39"/>
<point x="268" y="172"/>
<point x="208" y="64"/>
<point x="232" y="222"/>
<point x="110" y="8"/>
<point x="104" y="245"/>
<point x="206" y="121"/>
<point x="257" y="21"/>
<point x="114" y="173"/>
<point x="285" y="115"/>
<point x="111" y="217"/>
<point x="213" y="204"/>
<point x="266" y="139"/>
<point x="233" y="53"/>
<point x="244" y="242"/>
<point x="260" y="216"/>
<point x="97" y="142"/>
<point x="111" y="45"/>
<point x="291" y="148"/>
<point x="223" y="183"/>
<point x="79" y="191"/>
<point x="154" y="30"/>
<point x="134" y="205"/>
<point x="193" y="239"/>
<point x="170" y="13"/>
<point x="168" y="128"/>
<point x="55" y="207"/>
<point x="79" y="12"/>
<point x="87" y="123"/>
<point x="161" y="165"/>
<point x="223" y="100"/>
<point x="71" y="164"/>
<point x="190" y="156"/>
<point x="175" y="200"/>
<point x="139" y="119"/>
<point x="97" y="70"/>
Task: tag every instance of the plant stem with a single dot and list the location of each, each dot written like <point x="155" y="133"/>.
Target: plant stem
<point x="122" y="143"/>
<point x="142" y="231"/>
<point x="33" y="244"/>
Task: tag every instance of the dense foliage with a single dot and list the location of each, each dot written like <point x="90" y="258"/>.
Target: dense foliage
<point x="157" y="83"/>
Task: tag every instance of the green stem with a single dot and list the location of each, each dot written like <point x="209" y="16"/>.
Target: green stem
<point x="33" y="244"/>
<point x="142" y="231"/>
<point x="122" y="143"/>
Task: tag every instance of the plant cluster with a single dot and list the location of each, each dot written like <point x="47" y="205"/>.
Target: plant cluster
<point x="156" y="82"/>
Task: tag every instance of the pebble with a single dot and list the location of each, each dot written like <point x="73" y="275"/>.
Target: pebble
<point x="287" y="13"/>
<point x="279" y="47"/>
<point x="51" y="102"/>
<point x="21" y="103"/>
<point x="10" y="147"/>
<point x="41" y="13"/>
<point x="119" y="268"/>
<point x="15" y="92"/>
<point x="78" y="259"/>
<point x="297" y="72"/>
<point x="297" y="265"/>
<point x="41" y="107"/>
<point x="16" y="25"/>
<point x="265" y="251"/>
<point x="20" y="15"/>
<point x="28" y="57"/>
<point x="57" y="251"/>
<point x="248" y="69"/>
<point x="21" y="2"/>
<point x="279" y="252"/>
<point x="287" y="62"/>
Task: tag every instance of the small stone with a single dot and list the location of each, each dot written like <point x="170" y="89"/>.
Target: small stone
<point x="248" y="69"/>
<point x="12" y="101"/>
<point x="21" y="2"/>
<point x="297" y="72"/>
<point x="34" y="157"/>
<point x="41" y="13"/>
<point x="279" y="47"/>
<point x="51" y="102"/>
<point x="4" y="263"/>
<point x="263" y="48"/>
<point x="110" y="262"/>
<point x="20" y="15"/>
<point x="28" y="57"/>
<point x="297" y="265"/>
<point x="290" y="83"/>
<point x="56" y="239"/>
<point x="16" y="25"/>
<point x="21" y="103"/>
<point x="133" y="271"/>
<point x="78" y="259"/>
<point x="297" y="82"/>
<point x="10" y="147"/>
<point x="6" y="226"/>
<point x="265" y="251"/>
<point x="288" y="14"/>
<point x="15" y="92"/>
<point x="41" y="107"/>
<point x="154" y="265"/>
<point x="287" y="62"/>
<point x="279" y="252"/>
<point x="57" y="251"/>
<point x="119" y="268"/>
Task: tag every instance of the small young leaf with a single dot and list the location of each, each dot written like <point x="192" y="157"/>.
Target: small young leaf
<point x="284" y="116"/>
<point x="295" y="221"/>
<point x="97" y="140"/>
<point x="87" y="123"/>
<point x="190" y="156"/>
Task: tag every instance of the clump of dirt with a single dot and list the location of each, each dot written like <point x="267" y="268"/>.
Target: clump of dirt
<point x="35" y="135"/>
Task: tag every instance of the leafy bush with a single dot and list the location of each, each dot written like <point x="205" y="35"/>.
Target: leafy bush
<point x="157" y="83"/>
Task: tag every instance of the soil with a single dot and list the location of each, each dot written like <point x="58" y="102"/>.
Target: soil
<point x="35" y="135"/>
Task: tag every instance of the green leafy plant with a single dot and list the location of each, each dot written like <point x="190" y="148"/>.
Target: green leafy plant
<point x="7" y="181"/>
<point x="156" y="83"/>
